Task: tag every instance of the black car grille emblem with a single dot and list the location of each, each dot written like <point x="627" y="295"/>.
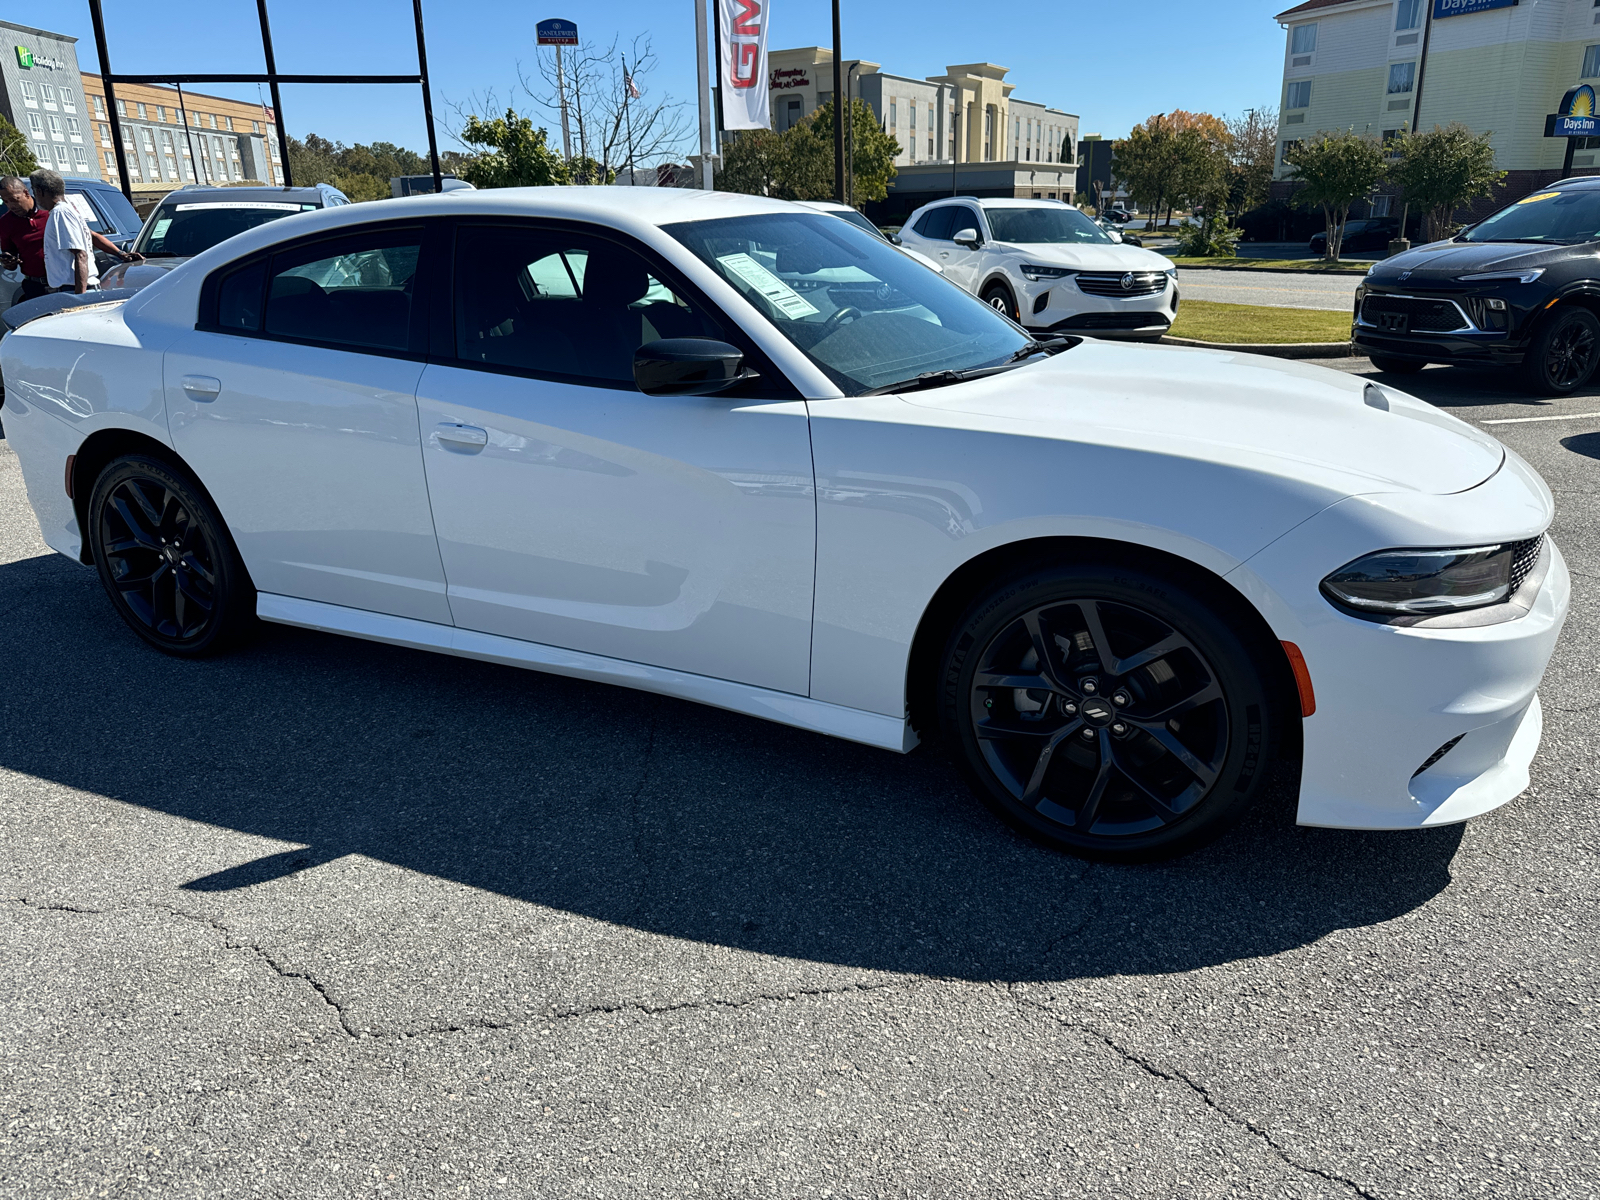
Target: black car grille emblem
<point x="1404" y="275"/>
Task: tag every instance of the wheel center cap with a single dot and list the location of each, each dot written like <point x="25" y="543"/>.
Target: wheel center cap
<point x="1097" y="711"/>
<point x="172" y="554"/>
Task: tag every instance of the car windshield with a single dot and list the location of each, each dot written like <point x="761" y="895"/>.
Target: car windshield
<point x="865" y="314"/>
<point x="1032" y="226"/>
<point x="1562" y="217"/>
<point x="182" y="229"/>
<point x="856" y="219"/>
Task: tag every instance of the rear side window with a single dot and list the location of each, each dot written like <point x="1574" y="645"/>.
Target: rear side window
<point x="239" y="298"/>
<point x="936" y="225"/>
<point x="353" y="291"/>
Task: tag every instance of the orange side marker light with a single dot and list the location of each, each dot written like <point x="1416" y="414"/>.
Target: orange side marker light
<point x="1302" y="678"/>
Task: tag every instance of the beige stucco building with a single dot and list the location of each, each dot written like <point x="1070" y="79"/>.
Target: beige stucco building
<point x="961" y="130"/>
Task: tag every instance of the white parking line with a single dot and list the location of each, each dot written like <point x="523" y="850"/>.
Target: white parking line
<point x="1523" y="420"/>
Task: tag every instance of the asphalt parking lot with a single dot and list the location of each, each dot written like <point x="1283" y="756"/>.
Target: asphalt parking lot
<point x="1280" y="289"/>
<point x="328" y="918"/>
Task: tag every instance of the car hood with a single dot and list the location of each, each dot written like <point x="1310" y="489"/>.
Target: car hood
<point x="1118" y="257"/>
<point x="139" y="274"/>
<point x="1272" y="415"/>
<point x="1444" y="261"/>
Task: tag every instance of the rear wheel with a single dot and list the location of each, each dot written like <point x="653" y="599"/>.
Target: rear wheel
<point x="1110" y="712"/>
<point x="998" y="296"/>
<point x="1396" y="366"/>
<point x="165" y="557"/>
<point x="1563" y="354"/>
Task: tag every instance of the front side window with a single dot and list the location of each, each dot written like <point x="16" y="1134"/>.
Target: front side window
<point x="1299" y="94"/>
<point x="1303" y="40"/>
<point x="1034" y="226"/>
<point x="561" y="304"/>
<point x="865" y="314"/>
<point x="1559" y="217"/>
<point x="1402" y="77"/>
<point x="1408" y="14"/>
<point x="1591" y="62"/>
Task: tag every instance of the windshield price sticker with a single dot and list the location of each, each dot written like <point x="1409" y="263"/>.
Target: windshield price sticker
<point x="1540" y="196"/>
<point x="240" y="204"/>
<point x="778" y="293"/>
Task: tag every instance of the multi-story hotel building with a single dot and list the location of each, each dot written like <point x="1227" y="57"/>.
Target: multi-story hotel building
<point x="1497" y="66"/>
<point x="960" y="129"/>
<point x="171" y="136"/>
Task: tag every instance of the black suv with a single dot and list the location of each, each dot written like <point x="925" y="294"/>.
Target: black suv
<point x="1519" y="288"/>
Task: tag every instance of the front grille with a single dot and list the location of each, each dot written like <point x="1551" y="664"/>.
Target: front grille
<point x="1523" y="557"/>
<point x="1438" y="754"/>
<point x="1133" y="320"/>
<point x="1139" y="283"/>
<point x="1421" y="315"/>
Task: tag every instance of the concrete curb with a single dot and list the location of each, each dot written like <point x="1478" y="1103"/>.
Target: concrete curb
<point x="1280" y="350"/>
<point x="1278" y="271"/>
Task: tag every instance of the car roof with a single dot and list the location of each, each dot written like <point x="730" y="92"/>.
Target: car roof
<point x="1577" y="181"/>
<point x="299" y="195"/>
<point x="831" y="206"/>
<point x="999" y="202"/>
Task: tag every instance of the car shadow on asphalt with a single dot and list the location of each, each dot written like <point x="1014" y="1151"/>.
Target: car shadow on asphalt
<point x="1471" y="387"/>
<point x="648" y="812"/>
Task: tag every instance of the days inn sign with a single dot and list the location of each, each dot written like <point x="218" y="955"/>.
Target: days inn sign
<point x="1576" y="116"/>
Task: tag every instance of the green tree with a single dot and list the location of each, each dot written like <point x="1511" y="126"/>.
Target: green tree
<point x="1443" y="169"/>
<point x="1203" y="180"/>
<point x="797" y="164"/>
<point x="15" y="157"/>
<point x="360" y="172"/>
<point x="1337" y="169"/>
<point x="518" y="155"/>
<point x="1252" y="155"/>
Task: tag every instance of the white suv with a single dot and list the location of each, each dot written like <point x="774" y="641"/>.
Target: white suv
<point x="1048" y="266"/>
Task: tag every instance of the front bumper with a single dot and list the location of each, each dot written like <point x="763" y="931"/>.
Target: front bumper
<point x="1422" y="725"/>
<point x="1481" y="337"/>
<point x="1060" y="306"/>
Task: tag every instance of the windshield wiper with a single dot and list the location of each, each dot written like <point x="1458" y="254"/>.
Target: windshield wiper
<point x="1531" y="241"/>
<point x="1050" y="344"/>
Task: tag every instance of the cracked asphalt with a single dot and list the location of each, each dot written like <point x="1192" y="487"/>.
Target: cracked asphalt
<point x="324" y="918"/>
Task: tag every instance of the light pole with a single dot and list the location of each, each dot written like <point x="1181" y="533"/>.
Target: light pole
<point x="838" y="117"/>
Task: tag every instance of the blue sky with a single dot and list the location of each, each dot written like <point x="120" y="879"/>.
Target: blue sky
<point x="1220" y="56"/>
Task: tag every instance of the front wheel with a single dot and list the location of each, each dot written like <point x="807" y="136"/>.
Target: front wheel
<point x="166" y="559"/>
<point x="997" y="296"/>
<point x="1110" y="712"/>
<point x="1563" y="354"/>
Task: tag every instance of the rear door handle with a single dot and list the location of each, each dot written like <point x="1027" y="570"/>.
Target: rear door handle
<point x="461" y="435"/>
<point x="202" y="387"/>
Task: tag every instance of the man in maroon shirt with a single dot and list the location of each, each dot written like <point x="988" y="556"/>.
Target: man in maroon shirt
<point x="22" y="238"/>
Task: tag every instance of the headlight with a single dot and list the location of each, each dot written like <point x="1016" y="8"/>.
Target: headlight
<point x="1033" y="273"/>
<point x="1503" y="276"/>
<point x="1173" y="271"/>
<point x="1419" y="582"/>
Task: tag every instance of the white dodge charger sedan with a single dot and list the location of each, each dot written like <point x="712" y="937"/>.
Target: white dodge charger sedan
<point x="725" y="449"/>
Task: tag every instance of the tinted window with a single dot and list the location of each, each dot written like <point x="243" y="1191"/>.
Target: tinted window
<point x="182" y="230"/>
<point x="239" y="298"/>
<point x="563" y="304"/>
<point x="355" y="291"/>
<point x="962" y="217"/>
<point x="865" y="314"/>
<point x="936" y="225"/>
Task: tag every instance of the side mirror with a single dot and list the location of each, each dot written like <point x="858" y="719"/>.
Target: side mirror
<point x="894" y="240"/>
<point x="688" y="367"/>
<point x="968" y="238"/>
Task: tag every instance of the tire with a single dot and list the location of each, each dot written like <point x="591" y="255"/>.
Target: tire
<point x="1563" y="354"/>
<point x="166" y="559"/>
<point x="1396" y="366"/>
<point x="998" y="296"/>
<point x="1164" y="752"/>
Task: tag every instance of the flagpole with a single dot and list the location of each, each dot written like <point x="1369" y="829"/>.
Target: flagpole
<point x="627" y="115"/>
<point x="705" y="94"/>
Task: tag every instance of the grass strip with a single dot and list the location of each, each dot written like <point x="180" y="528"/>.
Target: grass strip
<point x="1314" y="265"/>
<point x="1240" y="324"/>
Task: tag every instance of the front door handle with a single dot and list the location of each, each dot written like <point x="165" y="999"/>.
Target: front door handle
<point x="461" y="435"/>
<point x="201" y="387"/>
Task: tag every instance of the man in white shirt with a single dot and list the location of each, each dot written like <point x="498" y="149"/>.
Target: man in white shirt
<point x="68" y="250"/>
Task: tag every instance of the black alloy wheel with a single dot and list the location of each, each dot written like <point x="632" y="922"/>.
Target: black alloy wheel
<point x="1109" y="712"/>
<point x="1563" y="354"/>
<point x="1396" y="366"/>
<point x="165" y="558"/>
<point x="997" y="296"/>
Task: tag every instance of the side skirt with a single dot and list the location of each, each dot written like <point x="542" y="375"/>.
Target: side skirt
<point x="835" y="720"/>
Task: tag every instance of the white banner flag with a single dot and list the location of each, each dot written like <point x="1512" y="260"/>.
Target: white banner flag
<point x="742" y="73"/>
